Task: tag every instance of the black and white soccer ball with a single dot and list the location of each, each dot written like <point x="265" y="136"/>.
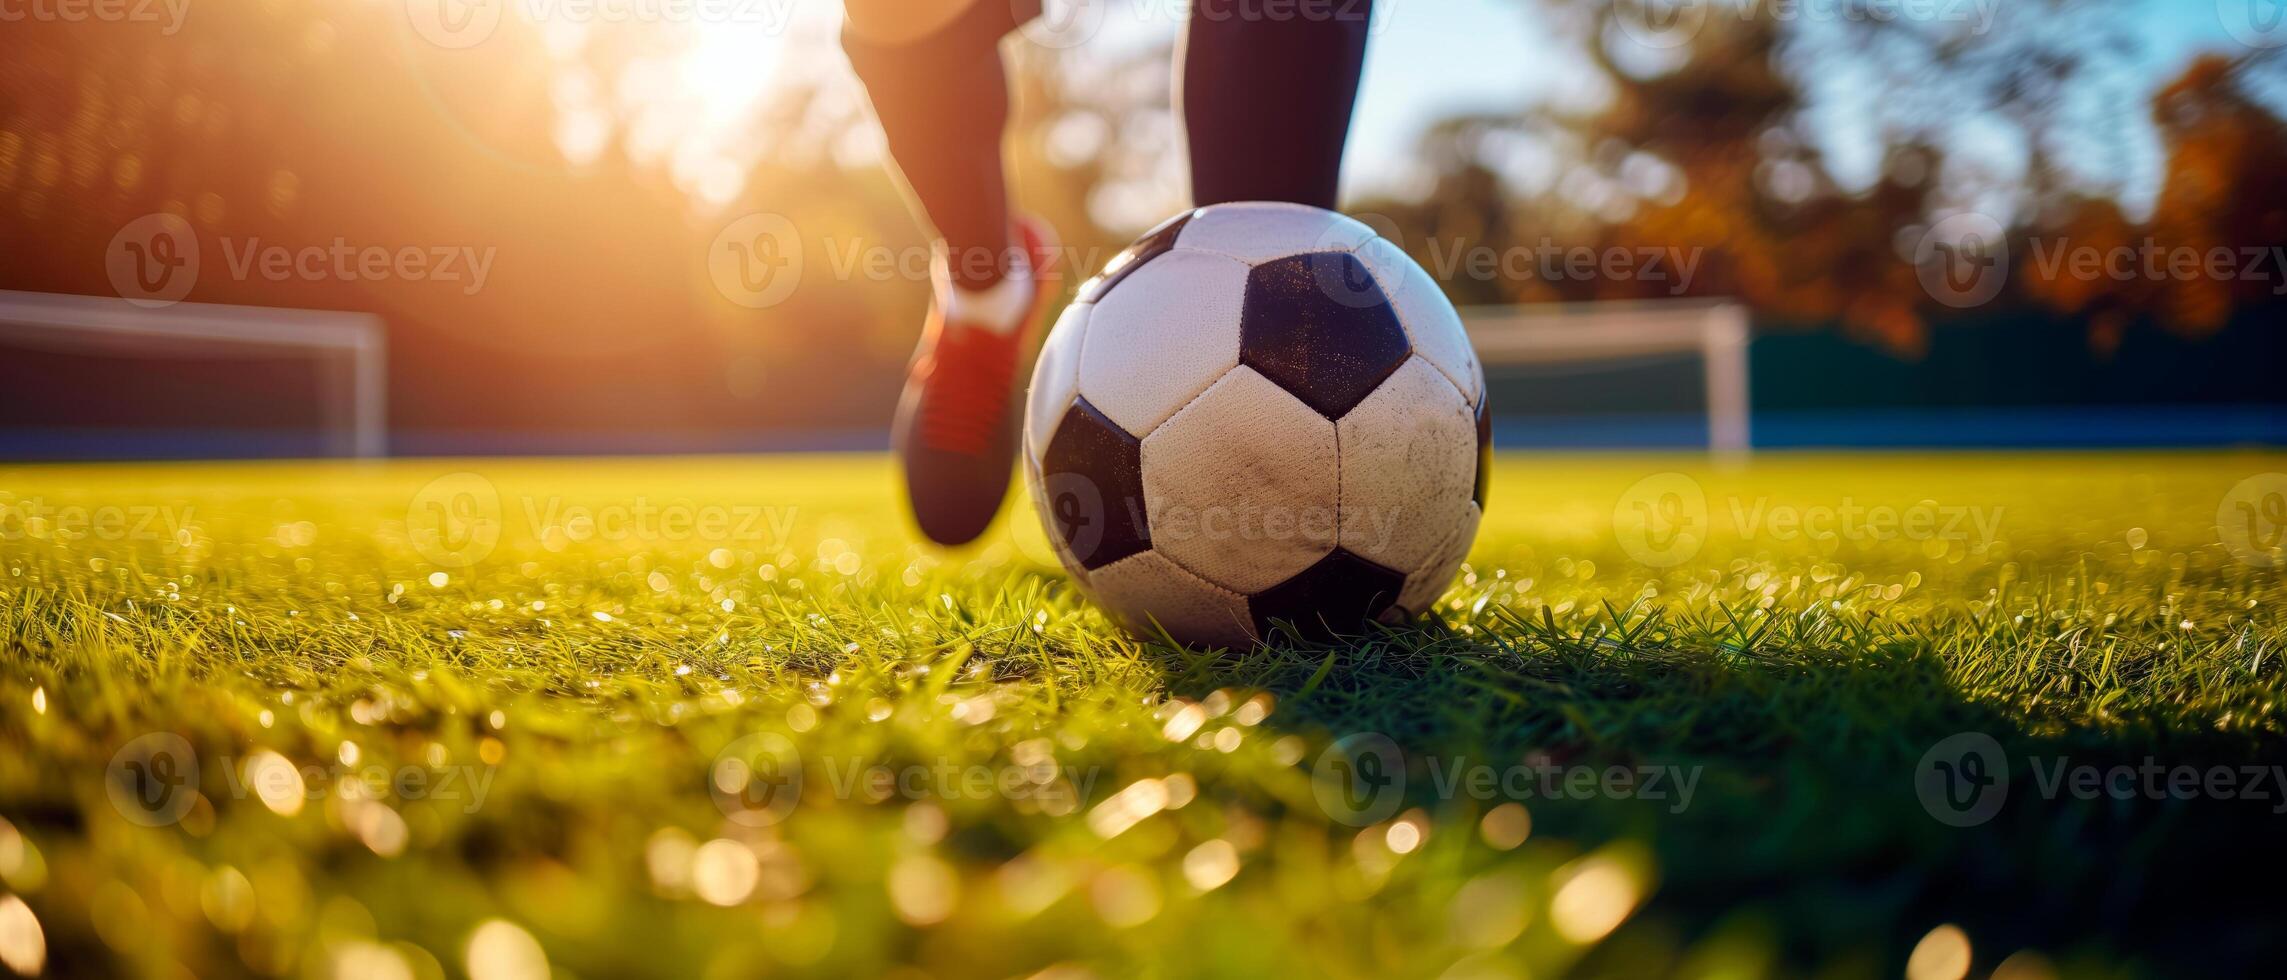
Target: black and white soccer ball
<point x="1259" y="413"/>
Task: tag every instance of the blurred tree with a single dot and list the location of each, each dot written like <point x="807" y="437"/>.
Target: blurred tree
<point x="1718" y="147"/>
<point x="2223" y="190"/>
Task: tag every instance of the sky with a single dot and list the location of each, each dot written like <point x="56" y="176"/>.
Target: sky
<point x="1432" y="58"/>
<point x="1428" y="59"/>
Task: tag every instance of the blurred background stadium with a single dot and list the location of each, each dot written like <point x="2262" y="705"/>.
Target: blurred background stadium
<point x="535" y="199"/>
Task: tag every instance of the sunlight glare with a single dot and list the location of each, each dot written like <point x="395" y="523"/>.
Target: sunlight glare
<point x="690" y="103"/>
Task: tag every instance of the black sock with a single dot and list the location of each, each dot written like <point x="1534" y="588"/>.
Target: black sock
<point x="943" y="103"/>
<point x="1267" y="99"/>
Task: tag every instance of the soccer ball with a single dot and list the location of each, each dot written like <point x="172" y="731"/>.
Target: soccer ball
<point x="1258" y="413"/>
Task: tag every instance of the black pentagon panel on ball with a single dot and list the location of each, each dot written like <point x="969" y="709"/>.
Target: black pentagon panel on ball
<point x="1153" y="243"/>
<point x="1092" y="476"/>
<point x="1320" y="326"/>
<point x="1484" y="454"/>
<point x="1336" y="596"/>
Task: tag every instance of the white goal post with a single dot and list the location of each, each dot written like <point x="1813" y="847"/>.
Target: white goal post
<point x="349" y="346"/>
<point x="1570" y="333"/>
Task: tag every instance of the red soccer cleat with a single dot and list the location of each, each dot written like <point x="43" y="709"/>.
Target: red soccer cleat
<point x="959" y="420"/>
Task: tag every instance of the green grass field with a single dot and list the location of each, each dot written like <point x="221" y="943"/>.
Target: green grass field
<point x="711" y="717"/>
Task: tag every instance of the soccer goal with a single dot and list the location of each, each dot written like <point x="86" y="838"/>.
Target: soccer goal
<point x="347" y="350"/>
<point x="1617" y="335"/>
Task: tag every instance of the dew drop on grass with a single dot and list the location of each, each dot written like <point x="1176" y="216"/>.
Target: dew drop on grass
<point x="1124" y="897"/>
<point x="1208" y="866"/>
<point x="1597" y="894"/>
<point x="1254" y="711"/>
<point x="1506" y="826"/>
<point x="1288" y="750"/>
<point x="1944" y="954"/>
<point x="501" y="950"/>
<point x="923" y="890"/>
<point x="724" y="872"/>
<point x="1490" y="911"/>
<point x="1402" y="837"/>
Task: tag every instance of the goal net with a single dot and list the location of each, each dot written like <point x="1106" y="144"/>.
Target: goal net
<point x="99" y="377"/>
<point x="1645" y="370"/>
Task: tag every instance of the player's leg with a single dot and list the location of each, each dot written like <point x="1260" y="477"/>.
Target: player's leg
<point x="1266" y="99"/>
<point x="933" y="70"/>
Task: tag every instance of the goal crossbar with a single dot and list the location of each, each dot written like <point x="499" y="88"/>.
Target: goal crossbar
<point x="1582" y="332"/>
<point x="356" y="410"/>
